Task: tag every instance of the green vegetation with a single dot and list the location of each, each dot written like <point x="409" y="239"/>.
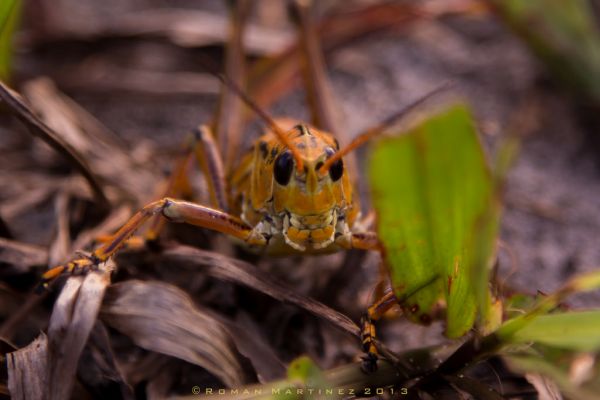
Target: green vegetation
<point x="431" y="190"/>
<point x="10" y="11"/>
<point x="564" y="35"/>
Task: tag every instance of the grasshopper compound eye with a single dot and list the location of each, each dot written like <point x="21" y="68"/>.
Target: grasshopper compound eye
<point x="284" y="165"/>
<point x="336" y="170"/>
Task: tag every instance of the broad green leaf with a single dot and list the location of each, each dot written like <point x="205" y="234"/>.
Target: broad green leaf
<point x="433" y="194"/>
<point x="10" y="11"/>
<point x="564" y="34"/>
<point x="578" y="331"/>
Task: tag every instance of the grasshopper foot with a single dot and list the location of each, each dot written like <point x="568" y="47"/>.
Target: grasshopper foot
<point x="369" y="364"/>
<point x="80" y="266"/>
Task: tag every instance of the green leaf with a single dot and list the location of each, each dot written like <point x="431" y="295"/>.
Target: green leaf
<point x="10" y="11"/>
<point x="433" y="196"/>
<point x="571" y="330"/>
<point x="304" y="370"/>
<point x="304" y="378"/>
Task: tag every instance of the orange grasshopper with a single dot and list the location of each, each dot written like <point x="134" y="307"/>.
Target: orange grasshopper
<point x="291" y="194"/>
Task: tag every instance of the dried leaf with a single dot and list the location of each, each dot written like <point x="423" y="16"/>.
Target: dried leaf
<point x="106" y="156"/>
<point x="232" y="270"/>
<point x="98" y="367"/>
<point x="5" y="347"/>
<point x="27" y="371"/>
<point x="73" y="318"/>
<point x="162" y="318"/>
<point x="251" y="344"/>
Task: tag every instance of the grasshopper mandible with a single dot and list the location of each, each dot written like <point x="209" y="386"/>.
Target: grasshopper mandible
<point x="292" y="193"/>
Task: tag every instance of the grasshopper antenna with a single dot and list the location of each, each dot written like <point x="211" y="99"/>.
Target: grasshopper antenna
<point x="382" y="127"/>
<point x="280" y="133"/>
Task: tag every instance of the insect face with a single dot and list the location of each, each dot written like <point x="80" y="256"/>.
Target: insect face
<point x="310" y="204"/>
<point x="317" y="189"/>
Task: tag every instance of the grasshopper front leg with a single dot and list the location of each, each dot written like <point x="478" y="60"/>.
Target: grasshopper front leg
<point x="174" y="210"/>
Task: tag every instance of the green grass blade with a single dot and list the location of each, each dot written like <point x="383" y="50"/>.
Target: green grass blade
<point x="579" y="284"/>
<point x="10" y="11"/>
<point x="432" y="193"/>
<point x="578" y="331"/>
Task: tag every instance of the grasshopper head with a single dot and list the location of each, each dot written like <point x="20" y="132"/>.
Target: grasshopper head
<point x="309" y="201"/>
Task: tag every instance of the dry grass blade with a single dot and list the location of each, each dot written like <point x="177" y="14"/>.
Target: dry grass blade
<point x="41" y="130"/>
<point x="73" y="318"/>
<point x="27" y="371"/>
<point x="56" y="108"/>
<point x="225" y="268"/>
<point x="100" y="147"/>
<point x="162" y="318"/>
<point x="18" y="258"/>
<point x="61" y="245"/>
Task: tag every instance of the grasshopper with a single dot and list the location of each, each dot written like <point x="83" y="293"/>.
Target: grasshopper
<point x="291" y="194"/>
